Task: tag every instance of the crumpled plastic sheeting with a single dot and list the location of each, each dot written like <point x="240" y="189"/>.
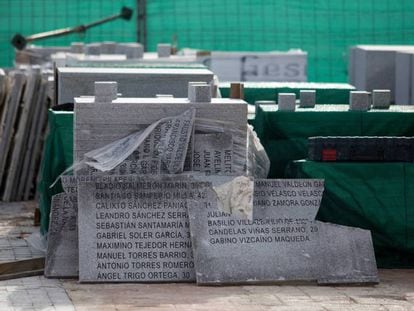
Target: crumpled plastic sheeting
<point x="172" y="147"/>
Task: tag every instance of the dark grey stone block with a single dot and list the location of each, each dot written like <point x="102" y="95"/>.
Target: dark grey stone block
<point x="378" y="149"/>
<point x="105" y="91"/>
<point x="75" y="82"/>
<point x="77" y="47"/>
<point x="199" y="92"/>
<point x="62" y="246"/>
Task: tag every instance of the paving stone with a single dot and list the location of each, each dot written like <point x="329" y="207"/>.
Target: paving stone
<point x="359" y="101"/>
<point x="381" y="99"/>
<point x="105" y="91"/>
<point x="307" y="99"/>
<point x="286" y="102"/>
<point x="164" y="50"/>
<point x="62" y="248"/>
<point x="199" y="92"/>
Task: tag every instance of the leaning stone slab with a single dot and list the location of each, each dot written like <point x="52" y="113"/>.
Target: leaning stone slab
<point x="285" y="245"/>
<point x="62" y="246"/>
<point x="62" y="254"/>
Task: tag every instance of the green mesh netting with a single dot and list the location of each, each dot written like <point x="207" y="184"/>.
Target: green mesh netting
<point x="30" y="17"/>
<point x="324" y="28"/>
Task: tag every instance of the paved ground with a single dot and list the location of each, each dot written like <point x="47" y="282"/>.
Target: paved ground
<point x="16" y="225"/>
<point x="395" y="292"/>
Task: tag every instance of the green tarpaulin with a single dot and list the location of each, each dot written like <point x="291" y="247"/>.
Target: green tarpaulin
<point x="284" y="134"/>
<point x="326" y="93"/>
<point x="374" y="196"/>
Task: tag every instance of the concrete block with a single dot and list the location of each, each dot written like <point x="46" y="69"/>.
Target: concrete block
<point x="286" y="102"/>
<point x="307" y="98"/>
<point x="381" y="99"/>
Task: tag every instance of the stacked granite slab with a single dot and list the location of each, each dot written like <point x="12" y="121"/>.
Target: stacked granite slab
<point x="23" y="109"/>
<point x="131" y="82"/>
<point x="224" y="119"/>
<point x="207" y="221"/>
<point x="40" y="55"/>
<point x="379" y="149"/>
<point x="374" y="67"/>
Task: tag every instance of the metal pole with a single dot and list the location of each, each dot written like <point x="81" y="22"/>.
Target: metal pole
<point x="142" y="23"/>
<point x="19" y="41"/>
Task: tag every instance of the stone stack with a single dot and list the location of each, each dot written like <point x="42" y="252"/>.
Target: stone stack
<point x="24" y="102"/>
<point x="172" y="190"/>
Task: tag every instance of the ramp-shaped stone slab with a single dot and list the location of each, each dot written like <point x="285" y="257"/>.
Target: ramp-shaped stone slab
<point x="285" y="245"/>
<point x="62" y="256"/>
